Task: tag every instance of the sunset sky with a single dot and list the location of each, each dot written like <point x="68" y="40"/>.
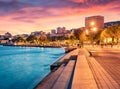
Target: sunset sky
<point x="25" y="16"/>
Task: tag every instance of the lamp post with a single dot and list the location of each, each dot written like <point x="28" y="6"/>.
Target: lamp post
<point x="92" y="23"/>
<point x="87" y="32"/>
<point x="93" y="30"/>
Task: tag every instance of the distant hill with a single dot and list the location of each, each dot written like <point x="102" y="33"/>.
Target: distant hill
<point x="111" y="23"/>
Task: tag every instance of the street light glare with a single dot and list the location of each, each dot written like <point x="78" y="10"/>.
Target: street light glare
<point x="92" y="23"/>
<point x="87" y="32"/>
<point x="94" y="29"/>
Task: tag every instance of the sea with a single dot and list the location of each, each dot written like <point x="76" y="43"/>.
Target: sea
<point x="25" y="67"/>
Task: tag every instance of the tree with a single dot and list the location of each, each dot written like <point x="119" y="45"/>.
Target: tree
<point x="117" y="32"/>
<point x="111" y="32"/>
<point x="114" y="32"/>
<point x="97" y="37"/>
<point x="77" y="33"/>
<point x="32" y="39"/>
<point x="82" y="36"/>
<point x="20" y="39"/>
<point x="104" y="35"/>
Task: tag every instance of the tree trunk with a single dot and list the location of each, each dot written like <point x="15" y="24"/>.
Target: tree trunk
<point x="117" y="40"/>
<point x="112" y="42"/>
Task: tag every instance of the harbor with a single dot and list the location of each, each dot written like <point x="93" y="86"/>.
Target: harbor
<point x="60" y="44"/>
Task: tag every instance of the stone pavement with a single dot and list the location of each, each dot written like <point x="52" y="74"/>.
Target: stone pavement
<point x="83" y="77"/>
<point x="109" y="59"/>
<point x="103" y="79"/>
<point x="87" y="74"/>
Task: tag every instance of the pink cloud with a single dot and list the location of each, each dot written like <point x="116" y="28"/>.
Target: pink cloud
<point x="70" y="14"/>
<point x="78" y="1"/>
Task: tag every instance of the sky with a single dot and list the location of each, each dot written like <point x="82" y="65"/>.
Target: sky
<point x="26" y="16"/>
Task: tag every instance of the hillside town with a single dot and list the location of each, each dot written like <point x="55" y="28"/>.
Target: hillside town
<point x="94" y="32"/>
<point x="37" y="37"/>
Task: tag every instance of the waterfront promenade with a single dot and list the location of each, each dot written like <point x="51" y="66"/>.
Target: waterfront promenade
<point x="97" y="71"/>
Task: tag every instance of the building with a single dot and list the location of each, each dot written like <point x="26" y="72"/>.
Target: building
<point x="7" y="35"/>
<point x="94" y="23"/>
<point x="61" y="30"/>
<point x="53" y="31"/>
<point x="38" y="33"/>
<point x="2" y="37"/>
<point x="3" y="41"/>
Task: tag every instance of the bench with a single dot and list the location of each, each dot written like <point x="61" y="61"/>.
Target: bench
<point x="63" y="60"/>
<point x="93" y="53"/>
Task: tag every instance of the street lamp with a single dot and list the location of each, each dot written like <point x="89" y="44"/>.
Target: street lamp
<point x="86" y="31"/>
<point x="91" y="30"/>
<point x="92" y="23"/>
<point x="94" y="29"/>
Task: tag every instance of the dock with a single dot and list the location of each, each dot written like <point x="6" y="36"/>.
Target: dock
<point x="81" y="72"/>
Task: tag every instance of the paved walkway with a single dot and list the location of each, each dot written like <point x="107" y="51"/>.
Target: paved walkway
<point x="88" y="74"/>
<point x="60" y="78"/>
<point x="109" y="59"/>
<point x="102" y="77"/>
<point x="83" y="77"/>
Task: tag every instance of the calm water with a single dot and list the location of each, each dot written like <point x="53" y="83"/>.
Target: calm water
<point x="24" y="67"/>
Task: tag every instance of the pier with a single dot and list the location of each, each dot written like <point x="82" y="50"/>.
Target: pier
<point x="83" y="71"/>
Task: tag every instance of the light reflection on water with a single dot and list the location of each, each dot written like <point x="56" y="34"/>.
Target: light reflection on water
<point x="24" y="67"/>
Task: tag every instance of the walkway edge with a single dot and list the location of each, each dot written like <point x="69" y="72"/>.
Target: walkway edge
<point x="103" y="79"/>
<point x="83" y="77"/>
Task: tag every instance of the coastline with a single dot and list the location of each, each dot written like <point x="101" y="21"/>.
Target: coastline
<point x="27" y="59"/>
<point x="67" y="49"/>
<point x="61" y="62"/>
<point x="33" y="46"/>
